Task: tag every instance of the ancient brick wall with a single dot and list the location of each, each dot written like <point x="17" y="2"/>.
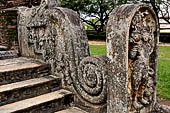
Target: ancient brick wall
<point x="8" y="28"/>
<point x="8" y="21"/>
<point x="16" y="3"/>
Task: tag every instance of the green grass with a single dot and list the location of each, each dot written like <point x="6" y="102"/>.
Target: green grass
<point x="97" y="50"/>
<point x="163" y="79"/>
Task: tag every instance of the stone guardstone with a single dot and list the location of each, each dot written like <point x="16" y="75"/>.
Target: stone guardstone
<point x="132" y="47"/>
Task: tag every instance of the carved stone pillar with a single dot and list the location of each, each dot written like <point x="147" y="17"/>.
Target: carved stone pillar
<point x="132" y="47"/>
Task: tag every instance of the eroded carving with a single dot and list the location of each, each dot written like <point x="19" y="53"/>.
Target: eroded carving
<point x="141" y="46"/>
<point x="55" y="35"/>
<point x="91" y="80"/>
<point x="132" y="43"/>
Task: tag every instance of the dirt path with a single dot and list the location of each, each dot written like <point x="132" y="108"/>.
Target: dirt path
<point x="164" y="44"/>
<point x="99" y="42"/>
<point x="93" y="42"/>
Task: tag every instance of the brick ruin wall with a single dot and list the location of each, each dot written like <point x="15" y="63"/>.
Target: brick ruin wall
<point x="8" y="21"/>
<point x="16" y="3"/>
<point x="8" y="28"/>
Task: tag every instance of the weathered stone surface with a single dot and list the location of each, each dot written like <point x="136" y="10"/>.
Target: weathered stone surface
<point x="91" y="80"/>
<point x="56" y="35"/>
<point x="19" y="69"/>
<point x="132" y="43"/>
<point x="8" y="54"/>
<point x="3" y="48"/>
<point x="8" y="19"/>
<point x="47" y="103"/>
<point x="28" y="89"/>
<point x="91" y="84"/>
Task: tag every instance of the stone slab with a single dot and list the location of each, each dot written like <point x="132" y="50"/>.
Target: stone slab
<point x="27" y="83"/>
<point x="19" y="69"/>
<point x="30" y="88"/>
<point x="33" y="104"/>
<point x="3" y="48"/>
<point x="18" y="64"/>
<point x="7" y="54"/>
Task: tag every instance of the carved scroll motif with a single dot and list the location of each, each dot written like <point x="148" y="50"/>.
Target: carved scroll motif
<point x="141" y="45"/>
<point x="91" y="81"/>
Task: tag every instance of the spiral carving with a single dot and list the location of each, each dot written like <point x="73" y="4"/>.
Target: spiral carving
<point x="91" y="80"/>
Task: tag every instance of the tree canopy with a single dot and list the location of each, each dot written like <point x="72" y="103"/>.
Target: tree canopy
<point x="93" y="12"/>
<point x="96" y="12"/>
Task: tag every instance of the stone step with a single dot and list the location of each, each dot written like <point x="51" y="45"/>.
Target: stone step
<point x="72" y="110"/>
<point x="30" y="88"/>
<point x="19" y="69"/>
<point x="5" y="54"/>
<point x="47" y="103"/>
<point x="3" y="48"/>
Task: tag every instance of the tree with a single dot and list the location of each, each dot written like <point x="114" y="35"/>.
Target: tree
<point x="96" y="10"/>
<point x="99" y="10"/>
<point x="162" y="9"/>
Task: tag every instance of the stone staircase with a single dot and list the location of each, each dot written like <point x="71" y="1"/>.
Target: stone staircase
<point x="27" y="86"/>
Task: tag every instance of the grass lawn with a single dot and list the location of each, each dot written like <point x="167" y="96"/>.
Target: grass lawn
<point x="163" y="79"/>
